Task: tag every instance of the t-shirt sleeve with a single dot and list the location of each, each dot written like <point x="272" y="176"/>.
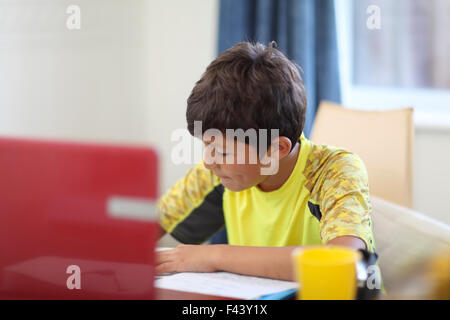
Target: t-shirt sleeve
<point x="345" y="201"/>
<point x="191" y="211"/>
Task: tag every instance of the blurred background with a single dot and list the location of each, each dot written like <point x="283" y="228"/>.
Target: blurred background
<point x="121" y="71"/>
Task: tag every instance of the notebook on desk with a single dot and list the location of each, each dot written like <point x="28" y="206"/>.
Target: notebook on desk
<point x="76" y="220"/>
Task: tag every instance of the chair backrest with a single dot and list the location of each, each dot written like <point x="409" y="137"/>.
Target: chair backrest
<point x="405" y="239"/>
<point x="383" y="139"/>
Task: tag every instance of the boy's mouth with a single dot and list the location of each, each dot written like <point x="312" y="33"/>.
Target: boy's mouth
<point x="224" y="178"/>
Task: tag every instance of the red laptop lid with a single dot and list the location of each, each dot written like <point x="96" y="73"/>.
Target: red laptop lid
<point x="76" y="220"/>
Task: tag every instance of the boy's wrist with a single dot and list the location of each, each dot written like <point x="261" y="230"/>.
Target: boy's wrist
<point x="216" y="256"/>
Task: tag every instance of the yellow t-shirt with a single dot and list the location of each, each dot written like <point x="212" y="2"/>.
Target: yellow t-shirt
<point x="326" y="196"/>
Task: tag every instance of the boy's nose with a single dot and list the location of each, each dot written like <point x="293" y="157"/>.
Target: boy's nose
<point x="208" y="160"/>
<point x="210" y="164"/>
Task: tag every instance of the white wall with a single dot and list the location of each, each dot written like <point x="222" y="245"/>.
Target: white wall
<point x="183" y="41"/>
<point x="432" y="172"/>
<point x="123" y="77"/>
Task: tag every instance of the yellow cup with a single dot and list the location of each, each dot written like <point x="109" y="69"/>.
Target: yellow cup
<point x="326" y="272"/>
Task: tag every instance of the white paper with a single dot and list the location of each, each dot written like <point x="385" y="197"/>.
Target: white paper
<point x="162" y="249"/>
<point x="223" y="284"/>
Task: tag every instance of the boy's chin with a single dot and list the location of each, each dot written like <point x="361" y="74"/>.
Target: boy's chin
<point x="233" y="187"/>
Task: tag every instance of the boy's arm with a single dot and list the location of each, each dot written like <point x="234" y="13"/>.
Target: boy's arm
<point x="191" y="210"/>
<point x="268" y="262"/>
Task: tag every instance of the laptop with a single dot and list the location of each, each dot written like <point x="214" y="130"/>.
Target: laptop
<point x="77" y="220"/>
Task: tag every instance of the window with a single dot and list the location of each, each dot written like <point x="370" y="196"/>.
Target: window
<point x="411" y="48"/>
<point x="402" y="61"/>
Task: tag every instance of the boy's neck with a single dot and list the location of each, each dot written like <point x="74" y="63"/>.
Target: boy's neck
<point x="286" y="166"/>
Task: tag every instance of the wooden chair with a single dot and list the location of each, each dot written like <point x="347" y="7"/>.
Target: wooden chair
<point x="384" y="141"/>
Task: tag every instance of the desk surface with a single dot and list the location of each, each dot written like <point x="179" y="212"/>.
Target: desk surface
<point x="166" y="294"/>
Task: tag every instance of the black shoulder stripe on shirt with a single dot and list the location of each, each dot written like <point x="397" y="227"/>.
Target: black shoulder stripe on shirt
<point x="204" y="220"/>
<point x="315" y="210"/>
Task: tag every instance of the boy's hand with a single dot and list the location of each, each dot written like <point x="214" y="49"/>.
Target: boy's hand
<point x="187" y="258"/>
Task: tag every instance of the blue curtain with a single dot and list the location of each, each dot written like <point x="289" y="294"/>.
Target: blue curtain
<point x="304" y="30"/>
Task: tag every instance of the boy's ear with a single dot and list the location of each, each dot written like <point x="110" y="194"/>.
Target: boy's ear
<point x="280" y="147"/>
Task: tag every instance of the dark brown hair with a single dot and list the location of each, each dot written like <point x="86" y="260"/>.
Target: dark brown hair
<point x="250" y="86"/>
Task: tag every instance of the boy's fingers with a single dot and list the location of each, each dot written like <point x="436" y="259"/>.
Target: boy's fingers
<point x="167" y="267"/>
<point x="162" y="257"/>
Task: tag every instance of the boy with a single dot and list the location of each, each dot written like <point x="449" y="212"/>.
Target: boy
<point x="314" y="194"/>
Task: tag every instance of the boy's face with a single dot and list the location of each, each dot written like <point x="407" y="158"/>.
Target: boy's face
<point x="236" y="163"/>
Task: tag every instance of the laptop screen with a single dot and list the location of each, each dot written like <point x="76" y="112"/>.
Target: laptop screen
<point x="76" y="220"/>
